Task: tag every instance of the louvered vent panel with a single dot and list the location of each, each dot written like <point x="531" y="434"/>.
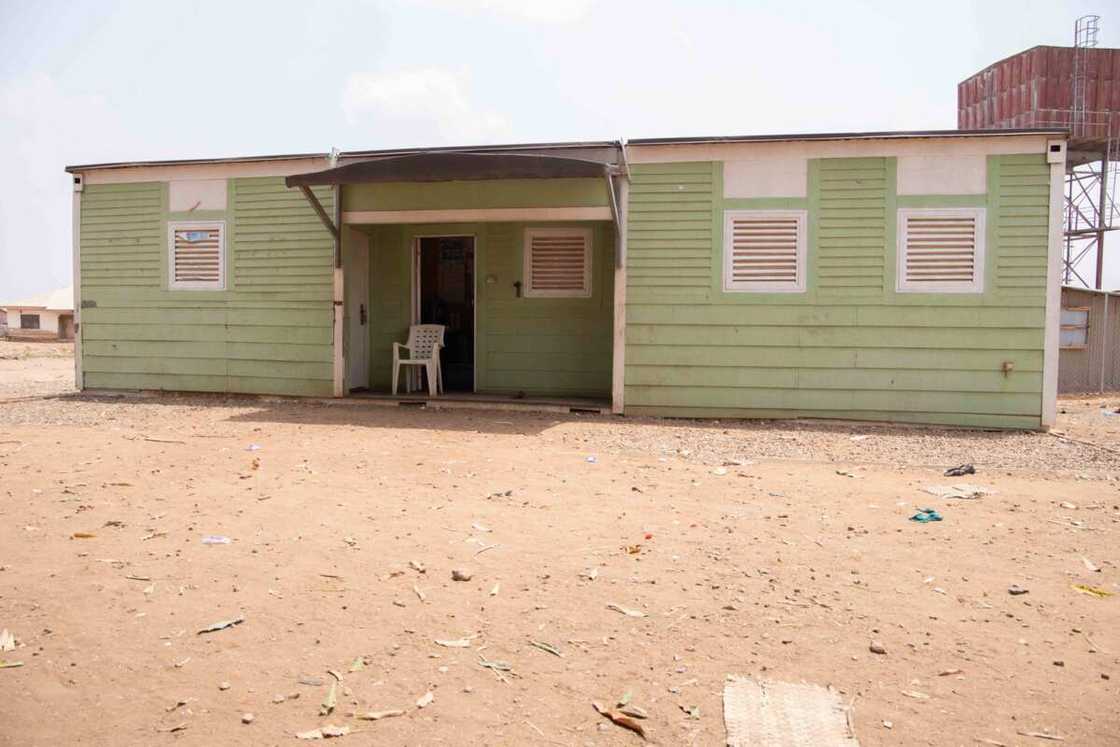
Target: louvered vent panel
<point x="559" y="263"/>
<point x="940" y="250"/>
<point x="198" y="256"/>
<point x="764" y="252"/>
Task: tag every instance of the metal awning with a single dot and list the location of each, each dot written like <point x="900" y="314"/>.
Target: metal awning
<point x="442" y="167"/>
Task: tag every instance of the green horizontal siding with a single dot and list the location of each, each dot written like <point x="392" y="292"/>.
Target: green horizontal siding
<point x="269" y="332"/>
<point x="850" y="346"/>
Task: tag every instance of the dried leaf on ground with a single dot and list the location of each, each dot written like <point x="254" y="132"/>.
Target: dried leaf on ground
<point x="456" y="643"/>
<point x="547" y="647"/>
<point x="626" y="611"/>
<point x="1093" y="591"/>
<point x="378" y="715"/>
<point x="222" y="625"/>
<point x="330" y="701"/>
<point x="621" y="719"/>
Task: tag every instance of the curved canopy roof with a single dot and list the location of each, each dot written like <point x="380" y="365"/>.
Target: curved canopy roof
<point x="443" y="166"/>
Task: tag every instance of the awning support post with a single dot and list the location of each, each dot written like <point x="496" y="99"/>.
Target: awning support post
<point x="320" y="211"/>
<point x="619" y="209"/>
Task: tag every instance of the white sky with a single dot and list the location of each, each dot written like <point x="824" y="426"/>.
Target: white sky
<point x="87" y="82"/>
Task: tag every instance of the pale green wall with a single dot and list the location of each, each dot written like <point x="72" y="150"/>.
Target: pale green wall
<point x="473" y="195"/>
<point x="268" y="332"/>
<point x="849" y="347"/>
<point x="541" y="346"/>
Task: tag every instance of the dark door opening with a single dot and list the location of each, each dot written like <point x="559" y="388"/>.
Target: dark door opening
<point x="447" y="297"/>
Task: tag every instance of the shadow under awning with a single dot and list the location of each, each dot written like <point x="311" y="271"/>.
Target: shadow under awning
<point x="443" y="167"/>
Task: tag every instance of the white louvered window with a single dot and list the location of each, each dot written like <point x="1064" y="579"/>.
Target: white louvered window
<point x="941" y="250"/>
<point x="196" y="255"/>
<point x="764" y="251"/>
<point x="557" y="262"/>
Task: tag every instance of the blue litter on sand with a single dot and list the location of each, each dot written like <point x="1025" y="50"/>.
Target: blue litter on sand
<point x="926" y="515"/>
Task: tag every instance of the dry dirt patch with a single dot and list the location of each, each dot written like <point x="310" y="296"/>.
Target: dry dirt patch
<point x="776" y="550"/>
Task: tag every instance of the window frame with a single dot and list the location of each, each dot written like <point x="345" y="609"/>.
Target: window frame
<point x="800" y="285"/>
<point x="38" y="321"/>
<point x="1061" y="327"/>
<point x="196" y="285"/>
<point x="527" y="262"/>
<point x="976" y="285"/>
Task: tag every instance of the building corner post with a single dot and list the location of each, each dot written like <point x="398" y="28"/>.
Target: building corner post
<point x="1053" y="295"/>
<point x="76" y="257"/>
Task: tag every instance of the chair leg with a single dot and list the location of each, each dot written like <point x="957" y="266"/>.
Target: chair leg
<point x="432" y="382"/>
<point x="396" y="372"/>
<point x="439" y="378"/>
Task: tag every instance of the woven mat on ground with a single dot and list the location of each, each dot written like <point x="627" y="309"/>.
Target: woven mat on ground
<point x="762" y="713"/>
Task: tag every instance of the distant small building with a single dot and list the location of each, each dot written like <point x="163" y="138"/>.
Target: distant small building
<point x="49" y="316"/>
<point x="1089" y="361"/>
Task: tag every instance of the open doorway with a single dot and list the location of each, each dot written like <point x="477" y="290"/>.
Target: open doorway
<point x="444" y="294"/>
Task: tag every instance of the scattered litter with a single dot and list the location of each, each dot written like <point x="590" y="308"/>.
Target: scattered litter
<point x="215" y="539"/>
<point x="845" y="473"/>
<point x="253" y="447"/>
<point x="378" y="715"/>
<point x="247" y="718"/>
<point x="7" y="641"/>
<point x="784" y="713"/>
<point x="419" y="594"/>
<point x="1041" y="735"/>
<point x="4" y="664"/>
<point x="625" y="611"/>
<point x="693" y="712"/>
<point x="358" y="664"/>
<point x="461" y="574"/>
<point x="153" y="535"/>
<point x="1067" y="504"/>
<point x="948" y="672"/>
<point x="926" y="515"/>
<point x="1089" y="565"/>
<point x="877" y="648"/>
<point x="481" y="527"/>
<point x="621" y="719"/>
<point x="425" y="700"/>
<point x="497" y="667"/>
<point x="547" y="647"/>
<point x="590" y="574"/>
<point x="914" y="694"/>
<point x="324" y="732"/>
<point x="484" y="548"/>
<point x="720" y="471"/>
<point x="82" y="535"/>
<point x="859" y="438"/>
<point x="171" y="729"/>
<point x="962" y="490"/>
<point x="222" y="625"/>
<point x="592" y="459"/>
<point x="960" y="471"/>
<point x="1093" y="591"/>
<point x="632" y="710"/>
<point x="1015" y="590"/>
<point x="417" y="566"/>
<point x="494" y="591"/>
<point x="331" y="699"/>
<point x="457" y="643"/>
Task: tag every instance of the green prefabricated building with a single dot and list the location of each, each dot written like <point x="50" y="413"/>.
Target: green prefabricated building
<point x="903" y="277"/>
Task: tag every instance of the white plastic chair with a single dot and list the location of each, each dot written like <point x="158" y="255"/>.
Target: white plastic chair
<point x="424" y="343"/>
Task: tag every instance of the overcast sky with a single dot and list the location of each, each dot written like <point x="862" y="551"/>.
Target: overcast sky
<point x="87" y="82"/>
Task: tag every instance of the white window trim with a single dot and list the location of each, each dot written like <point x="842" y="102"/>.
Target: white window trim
<point x="979" y="261"/>
<point x="527" y="266"/>
<point x="172" y="227"/>
<point x="729" y="286"/>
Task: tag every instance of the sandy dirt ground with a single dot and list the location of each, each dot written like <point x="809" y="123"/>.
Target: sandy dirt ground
<point x="779" y="550"/>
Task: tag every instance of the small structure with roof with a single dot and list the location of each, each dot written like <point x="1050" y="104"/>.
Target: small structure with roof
<point x="47" y="316"/>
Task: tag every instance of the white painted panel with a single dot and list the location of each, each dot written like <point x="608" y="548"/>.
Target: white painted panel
<point x="766" y="177"/>
<point x="185" y="195"/>
<point x="943" y="175"/>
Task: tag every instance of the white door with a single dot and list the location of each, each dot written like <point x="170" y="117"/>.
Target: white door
<point x="355" y="260"/>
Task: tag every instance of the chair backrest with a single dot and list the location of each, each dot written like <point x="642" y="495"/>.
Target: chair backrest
<point x="423" y="337"/>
